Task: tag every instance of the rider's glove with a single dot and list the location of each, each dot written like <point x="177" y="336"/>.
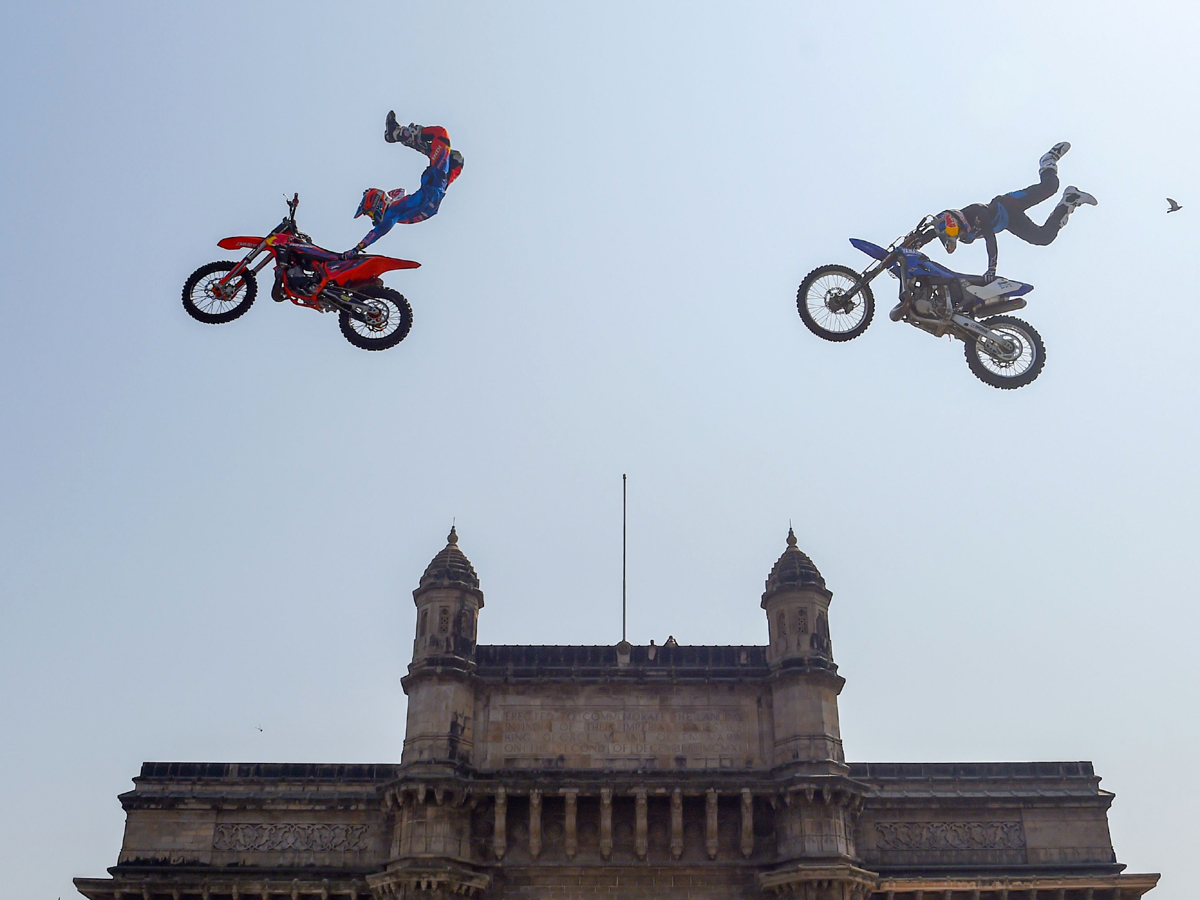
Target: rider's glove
<point x="990" y="275"/>
<point x="349" y="254"/>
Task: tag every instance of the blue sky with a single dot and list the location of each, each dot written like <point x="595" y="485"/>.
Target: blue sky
<point x="209" y="529"/>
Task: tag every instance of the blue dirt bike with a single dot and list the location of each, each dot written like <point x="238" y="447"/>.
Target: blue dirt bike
<point x="836" y="304"/>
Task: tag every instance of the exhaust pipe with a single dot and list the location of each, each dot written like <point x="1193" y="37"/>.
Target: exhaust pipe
<point x="997" y="305"/>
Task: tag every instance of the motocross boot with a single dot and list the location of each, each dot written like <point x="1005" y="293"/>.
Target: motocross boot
<point x="391" y="128"/>
<point x="1051" y="157"/>
<point x="1073" y="198"/>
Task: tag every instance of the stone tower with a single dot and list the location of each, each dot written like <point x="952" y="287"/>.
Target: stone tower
<point x="800" y="654"/>
<point x="814" y="828"/>
<point x="440" y="696"/>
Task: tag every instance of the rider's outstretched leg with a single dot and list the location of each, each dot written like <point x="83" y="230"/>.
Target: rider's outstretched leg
<point x="1020" y="224"/>
<point x="431" y="140"/>
<point x="1046" y="187"/>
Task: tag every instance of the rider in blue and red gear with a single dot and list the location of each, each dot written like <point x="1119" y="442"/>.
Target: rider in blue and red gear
<point x="388" y="208"/>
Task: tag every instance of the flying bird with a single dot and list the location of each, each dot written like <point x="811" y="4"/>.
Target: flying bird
<point x="1172" y="206"/>
<point x="259" y="727"/>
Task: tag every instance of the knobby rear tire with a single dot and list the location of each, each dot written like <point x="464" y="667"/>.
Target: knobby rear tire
<point x="819" y="289"/>
<point x="400" y="315"/>
<point x="200" y="301"/>
<point x="990" y="370"/>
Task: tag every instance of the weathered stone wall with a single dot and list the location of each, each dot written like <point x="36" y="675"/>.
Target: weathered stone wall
<point x="599" y="726"/>
<point x="287" y="816"/>
<point x="925" y="816"/>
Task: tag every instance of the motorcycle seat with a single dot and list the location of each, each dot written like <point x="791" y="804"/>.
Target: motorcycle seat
<point x="316" y="252"/>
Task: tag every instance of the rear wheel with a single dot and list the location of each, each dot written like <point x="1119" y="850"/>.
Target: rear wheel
<point x="825" y="309"/>
<point x="1013" y="364"/>
<point x="389" y="323"/>
<point x="213" y="303"/>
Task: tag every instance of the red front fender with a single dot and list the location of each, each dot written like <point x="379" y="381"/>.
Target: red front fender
<point x="242" y="242"/>
<point x="364" y="268"/>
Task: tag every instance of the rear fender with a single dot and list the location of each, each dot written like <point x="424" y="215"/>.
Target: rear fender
<point x="361" y="268"/>
<point x="240" y="242"/>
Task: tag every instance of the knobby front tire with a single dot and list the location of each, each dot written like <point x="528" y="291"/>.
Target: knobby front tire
<point x="824" y="313"/>
<point x="393" y="326"/>
<point x="1015" y="373"/>
<point x="206" y="302"/>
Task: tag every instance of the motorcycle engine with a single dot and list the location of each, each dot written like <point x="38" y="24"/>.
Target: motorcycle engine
<point x="303" y="279"/>
<point x="929" y="301"/>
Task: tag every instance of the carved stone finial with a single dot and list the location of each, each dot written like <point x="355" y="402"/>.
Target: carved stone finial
<point x="791" y="538"/>
<point x="452" y="537"/>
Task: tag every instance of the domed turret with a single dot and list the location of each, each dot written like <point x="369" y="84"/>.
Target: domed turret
<point x="448" y="602"/>
<point x="793" y="570"/>
<point x="441" y="700"/>
<point x="450" y="567"/>
<point x="797" y="605"/>
<point x="806" y="685"/>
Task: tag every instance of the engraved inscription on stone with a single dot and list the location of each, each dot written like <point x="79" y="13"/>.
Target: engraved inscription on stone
<point x="950" y="835"/>
<point x="301" y="836"/>
<point x="699" y="732"/>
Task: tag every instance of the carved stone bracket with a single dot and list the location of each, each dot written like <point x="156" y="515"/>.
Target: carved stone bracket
<point x="499" y="832"/>
<point x="606" y="838"/>
<point x="641" y="844"/>
<point x="747" y="823"/>
<point x="823" y="882"/>
<point x="570" y="839"/>
<point x="710" y="823"/>
<point x="676" y="823"/>
<point x="450" y="879"/>
<point x="535" y="824"/>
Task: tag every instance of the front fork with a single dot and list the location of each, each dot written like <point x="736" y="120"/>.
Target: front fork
<point x="868" y="275"/>
<point x="244" y="264"/>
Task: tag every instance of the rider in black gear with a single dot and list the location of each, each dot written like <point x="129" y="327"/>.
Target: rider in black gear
<point x="1007" y="212"/>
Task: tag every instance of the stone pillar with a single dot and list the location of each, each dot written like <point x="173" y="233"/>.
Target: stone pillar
<point x="641" y="845"/>
<point x="710" y="823"/>
<point x="606" y="842"/>
<point x="747" y="823"/>
<point x="570" y="841"/>
<point x="676" y="823"/>
<point x="535" y="824"/>
<point x="499" y="835"/>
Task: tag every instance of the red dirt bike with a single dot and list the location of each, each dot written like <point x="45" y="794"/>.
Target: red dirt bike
<point x="371" y="316"/>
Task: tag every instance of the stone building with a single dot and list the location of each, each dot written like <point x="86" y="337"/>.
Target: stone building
<point x="664" y="773"/>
